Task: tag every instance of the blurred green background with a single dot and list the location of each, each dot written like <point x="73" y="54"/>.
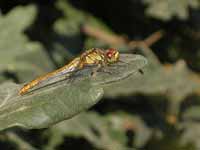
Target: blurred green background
<point x="159" y="110"/>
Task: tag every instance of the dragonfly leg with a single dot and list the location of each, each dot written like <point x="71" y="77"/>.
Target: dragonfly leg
<point x="100" y="68"/>
<point x="106" y="71"/>
<point x="95" y="70"/>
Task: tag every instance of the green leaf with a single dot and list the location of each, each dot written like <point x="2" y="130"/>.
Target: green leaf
<point x="21" y="57"/>
<point x="104" y="132"/>
<point x="166" y="9"/>
<point x="192" y="113"/>
<point x="67" y="30"/>
<point x="175" y="82"/>
<point x="48" y="107"/>
<point x="52" y="103"/>
<point x="85" y="126"/>
<point x="123" y="122"/>
<point x="168" y="80"/>
<point x="191" y="134"/>
<point x="21" y="143"/>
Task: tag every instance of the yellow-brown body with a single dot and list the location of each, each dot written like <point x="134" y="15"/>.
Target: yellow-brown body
<point x="93" y="56"/>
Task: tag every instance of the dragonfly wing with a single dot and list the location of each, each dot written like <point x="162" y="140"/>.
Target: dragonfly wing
<point x="65" y="71"/>
<point x="60" y="75"/>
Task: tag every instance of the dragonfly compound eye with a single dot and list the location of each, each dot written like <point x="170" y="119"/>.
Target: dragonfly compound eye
<point x="112" y="54"/>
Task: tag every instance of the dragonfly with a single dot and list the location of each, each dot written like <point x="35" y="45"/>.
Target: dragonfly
<point x="94" y="56"/>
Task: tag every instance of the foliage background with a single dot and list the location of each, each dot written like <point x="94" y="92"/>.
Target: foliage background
<point x="158" y="110"/>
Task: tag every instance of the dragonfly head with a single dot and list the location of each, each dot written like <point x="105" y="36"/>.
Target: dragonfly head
<point x="112" y="55"/>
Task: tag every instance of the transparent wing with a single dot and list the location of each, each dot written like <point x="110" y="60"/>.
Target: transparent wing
<point x="64" y="74"/>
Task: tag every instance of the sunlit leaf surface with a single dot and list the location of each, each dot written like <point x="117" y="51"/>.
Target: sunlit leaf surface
<point x="52" y="103"/>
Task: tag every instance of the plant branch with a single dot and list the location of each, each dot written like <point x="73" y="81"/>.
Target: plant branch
<point x="113" y="39"/>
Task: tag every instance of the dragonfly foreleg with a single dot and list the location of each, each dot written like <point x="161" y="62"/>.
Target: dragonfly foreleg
<point x="100" y="68"/>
